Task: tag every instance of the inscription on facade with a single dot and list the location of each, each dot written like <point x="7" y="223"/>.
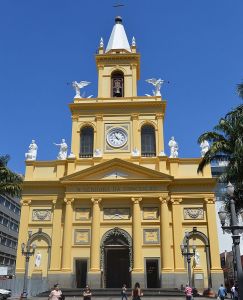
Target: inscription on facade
<point x="151" y="236"/>
<point x="41" y="215"/>
<point x="193" y="213"/>
<point x="150" y="213"/>
<point x="116" y="213"/>
<point x="82" y="237"/>
<point x="118" y="188"/>
<point x="82" y="214"/>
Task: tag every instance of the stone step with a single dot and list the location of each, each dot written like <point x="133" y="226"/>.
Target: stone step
<point x="153" y="292"/>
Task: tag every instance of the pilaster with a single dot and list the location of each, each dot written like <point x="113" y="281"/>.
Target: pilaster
<point x="137" y="236"/>
<point x="99" y="133"/>
<point x="159" y="118"/>
<point x="67" y="236"/>
<point x="95" y="236"/>
<point x="75" y="136"/>
<point x="23" y="233"/>
<point x="177" y="233"/>
<point x="212" y="234"/>
<point x="134" y="80"/>
<point x="165" y="247"/>
<point x="136" y="133"/>
<point x="56" y="235"/>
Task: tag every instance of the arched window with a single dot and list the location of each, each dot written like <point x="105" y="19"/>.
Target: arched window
<point x="117" y="84"/>
<point x="86" y="141"/>
<point x="148" y="141"/>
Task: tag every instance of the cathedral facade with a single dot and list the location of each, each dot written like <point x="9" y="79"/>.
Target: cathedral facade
<point x="117" y="209"/>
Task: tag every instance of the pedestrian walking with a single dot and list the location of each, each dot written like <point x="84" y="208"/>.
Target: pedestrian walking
<point x="124" y="292"/>
<point x="56" y="293"/>
<point x="222" y="292"/>
<point x="232" y="291"/>
<point x="87" y="293"/>
<point x="236" y="292"/>
<point x="136" y="292"/>
<point x="188" y="292"/>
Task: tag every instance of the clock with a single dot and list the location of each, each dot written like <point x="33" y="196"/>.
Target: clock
<point x="116" y="137"/>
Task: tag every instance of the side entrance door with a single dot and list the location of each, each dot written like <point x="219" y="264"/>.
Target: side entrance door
<point x="81" y="273"/>
<point x="152" y="273"/>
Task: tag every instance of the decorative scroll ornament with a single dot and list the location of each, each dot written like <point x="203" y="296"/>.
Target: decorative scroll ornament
<point x="42" y="214"/>
<point x="193" y="213"/>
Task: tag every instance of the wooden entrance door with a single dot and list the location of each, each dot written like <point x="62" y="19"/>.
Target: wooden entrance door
<point x="117" y="267"/>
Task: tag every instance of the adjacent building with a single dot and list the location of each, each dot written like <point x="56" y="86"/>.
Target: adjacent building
<point x="9" y="228"/>
<point x="116" y="210"/>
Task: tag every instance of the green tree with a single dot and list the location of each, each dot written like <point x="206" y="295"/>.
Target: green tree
<point x="10" y="182"/>
<point x="227" y="145"/>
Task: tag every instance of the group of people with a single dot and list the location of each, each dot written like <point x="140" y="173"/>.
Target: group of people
<point x="56" y="293"/>
<point x="222" y="292"/>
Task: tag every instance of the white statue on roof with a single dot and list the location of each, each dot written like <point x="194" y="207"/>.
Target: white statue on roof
<point x="157" y="83"/>
<point x="173" y="148"/>
<point x="79" y="85"/>
<point x="204" y="147"/>
<point x="32" y="152"/>
<point x="62" y="154"/>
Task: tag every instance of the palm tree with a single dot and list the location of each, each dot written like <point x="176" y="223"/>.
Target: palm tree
<point x="227" y="145"/>
<point x="10" y="182"/>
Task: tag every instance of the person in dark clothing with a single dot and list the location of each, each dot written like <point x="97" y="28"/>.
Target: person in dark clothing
<point x="87" y="293"/>
<point x="136" y="292"/>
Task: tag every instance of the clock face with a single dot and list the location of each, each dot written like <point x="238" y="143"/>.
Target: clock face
<point x="116" y="137"/>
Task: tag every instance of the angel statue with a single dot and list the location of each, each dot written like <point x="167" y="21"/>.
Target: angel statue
<point x="78" y="86"/>
<point x="157" y="83"/>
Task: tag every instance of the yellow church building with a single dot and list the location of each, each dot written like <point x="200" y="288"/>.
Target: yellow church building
<point x="117" y="208"/>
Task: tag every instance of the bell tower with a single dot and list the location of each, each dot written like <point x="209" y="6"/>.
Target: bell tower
<point x="118" y="65"/>
<point x="118" y="122"/>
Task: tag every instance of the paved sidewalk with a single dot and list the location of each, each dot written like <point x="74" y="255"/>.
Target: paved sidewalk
<point x="117" y="298"/>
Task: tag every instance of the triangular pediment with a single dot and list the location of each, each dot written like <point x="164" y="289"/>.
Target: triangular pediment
<point x="116" y="169"/>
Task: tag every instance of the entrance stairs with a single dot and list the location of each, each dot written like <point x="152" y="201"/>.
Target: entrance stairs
<point x="115" y="292"/>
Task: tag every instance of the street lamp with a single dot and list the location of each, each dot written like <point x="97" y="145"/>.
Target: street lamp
<point x="185" y="251"/>
<point x="27" y="250"/>
<point x="235" y="229"/>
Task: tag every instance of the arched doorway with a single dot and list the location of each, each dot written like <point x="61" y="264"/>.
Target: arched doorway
<point x="200" y="236"/>
<point x="116" y="258"/>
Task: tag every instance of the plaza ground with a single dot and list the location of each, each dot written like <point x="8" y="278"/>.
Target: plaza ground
<point x="113" y="298"/>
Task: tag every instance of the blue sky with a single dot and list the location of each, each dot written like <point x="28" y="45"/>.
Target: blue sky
<point x="197" y="45"/>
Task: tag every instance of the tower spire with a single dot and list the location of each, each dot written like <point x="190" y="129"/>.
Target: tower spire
<point x="118" y="38"/>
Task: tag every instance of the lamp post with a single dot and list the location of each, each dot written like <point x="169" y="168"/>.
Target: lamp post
<point x="235" y="230"/>
<point x="27" y="250"/>
<point x="185" y="251"/>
